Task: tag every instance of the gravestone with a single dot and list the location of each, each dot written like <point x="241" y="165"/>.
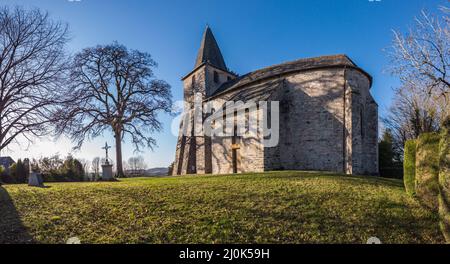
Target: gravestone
<point x="35" y="180"/>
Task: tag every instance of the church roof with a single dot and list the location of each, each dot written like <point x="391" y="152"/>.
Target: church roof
<point x="209" y="51"/>
<point x="289" y="67"/>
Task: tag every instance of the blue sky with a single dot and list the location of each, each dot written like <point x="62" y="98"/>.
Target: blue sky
<point x="251" y="34"/>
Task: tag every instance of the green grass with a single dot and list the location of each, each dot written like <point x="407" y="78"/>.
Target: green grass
<point x="274" y="207"/>
<point x="444" y="179"/>
<point x="427" y="169"/>
<point x="409" y="167"/>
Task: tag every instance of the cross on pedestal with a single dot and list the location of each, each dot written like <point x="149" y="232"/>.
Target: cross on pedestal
<point x="106" y="147"/>
<point x="107" y="174"/>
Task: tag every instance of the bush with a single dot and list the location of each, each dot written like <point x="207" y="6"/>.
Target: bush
<point x="394" y="172"/>
<point x="54" y="169"/>
<point x="409" y="167"/>
<point x="170" y="169"/>
<point x="19" y="172"/>
<point x="1" y="173"/>
<point x="444" y="180"/>
<point x="389" y="166"/>
<point x="5" y="175"/>
<point x="72" y="169"/>
<point x="427" y="169"/>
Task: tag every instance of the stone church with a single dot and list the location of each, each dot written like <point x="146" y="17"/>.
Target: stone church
<point x="328" y="120"/>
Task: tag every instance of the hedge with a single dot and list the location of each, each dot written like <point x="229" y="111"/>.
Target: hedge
<point x="409" y="167"/>
<point x="394" y="172"/>
<point x="427" y="169"/>
<point x="444" y="180"/>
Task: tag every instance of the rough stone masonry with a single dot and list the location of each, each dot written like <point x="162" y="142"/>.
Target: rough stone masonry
<point x="328" y="120"/>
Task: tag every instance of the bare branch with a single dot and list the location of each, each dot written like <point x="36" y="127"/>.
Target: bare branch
<point x="114" y="88"/>
<point x="32" y="67"/>
<point x="421" y="57"/>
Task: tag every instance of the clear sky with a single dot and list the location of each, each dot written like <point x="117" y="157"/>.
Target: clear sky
<point x="251" y="34"/>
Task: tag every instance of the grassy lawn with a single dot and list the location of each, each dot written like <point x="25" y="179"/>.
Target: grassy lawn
<point x="274" y="207"/>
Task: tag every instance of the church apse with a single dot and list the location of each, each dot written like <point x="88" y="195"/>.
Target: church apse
<point x="327" y="117"/>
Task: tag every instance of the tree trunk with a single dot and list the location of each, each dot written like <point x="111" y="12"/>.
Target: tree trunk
<point x="119" y="167"/>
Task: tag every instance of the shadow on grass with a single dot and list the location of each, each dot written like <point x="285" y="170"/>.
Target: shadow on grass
<point x="370" y="180"/>
<point x="319" y="224"/>
<point x="12" y="230"/>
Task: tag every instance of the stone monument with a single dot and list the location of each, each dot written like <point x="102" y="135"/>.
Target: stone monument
<point x="35" y="179"/>
<point x="107" y="174"/>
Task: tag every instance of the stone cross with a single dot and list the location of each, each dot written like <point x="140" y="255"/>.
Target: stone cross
<point x="106" y="147"/>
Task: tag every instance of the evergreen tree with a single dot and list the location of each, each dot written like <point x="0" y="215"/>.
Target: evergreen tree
<point x="390" y="161"/>
<point x="385" y="150"/>
<point x="18" y="172"/>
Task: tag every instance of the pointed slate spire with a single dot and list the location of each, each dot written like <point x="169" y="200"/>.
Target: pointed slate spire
<point x="209" y="51"/>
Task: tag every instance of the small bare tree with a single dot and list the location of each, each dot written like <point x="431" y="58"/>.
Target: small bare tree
<point x="113" y="87"/>
<point x="96" y="166"/>
<point x="86" y="165"/>
<point x="32" y="63"/>
<point x="137" y="164"/>
<point x="421" y="57"/>
<point x="411" y="114"/>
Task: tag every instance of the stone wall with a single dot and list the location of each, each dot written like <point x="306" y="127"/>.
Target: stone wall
<point x="313" y="110"/>
<point x="311" y="130"/>
<point x="193" y="153"/>
<point x="188" y="146"/>
<point x="250" y="155"/>
<point x="370" y="149"/>
<point x="362" y="125"/>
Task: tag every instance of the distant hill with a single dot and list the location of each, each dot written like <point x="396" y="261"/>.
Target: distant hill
<point x="147" y="173"/>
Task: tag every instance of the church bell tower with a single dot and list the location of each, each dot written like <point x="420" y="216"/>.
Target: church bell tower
<point x="193" y="153"/>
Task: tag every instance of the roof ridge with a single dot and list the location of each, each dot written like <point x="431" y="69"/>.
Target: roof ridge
<point x="338" y="60"/>
<point x="306" y="59"/>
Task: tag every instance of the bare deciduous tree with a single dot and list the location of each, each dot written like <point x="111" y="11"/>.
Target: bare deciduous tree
<point x="85" y="164"/>
<point x="421" y="57"/>
<point x="137" y="164"/>
<point x="32" y="63"/>
<point x="96" y="167"/>
<point x="113" y="87"/>
<point x="411" y="114"/>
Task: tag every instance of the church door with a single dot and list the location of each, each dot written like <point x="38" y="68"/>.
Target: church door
<point x="234" y="161"/>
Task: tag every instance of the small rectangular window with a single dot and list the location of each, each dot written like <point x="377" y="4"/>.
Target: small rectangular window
<point x="216" y="77"/>
<point x="361" y="120"/>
